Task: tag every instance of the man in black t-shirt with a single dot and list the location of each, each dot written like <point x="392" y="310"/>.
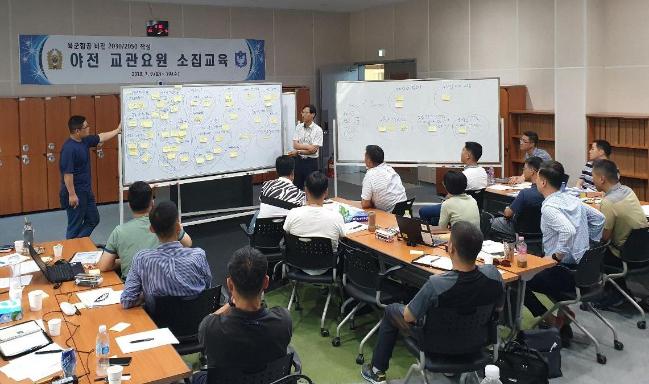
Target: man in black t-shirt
<point x="465" y="286"/>
<point x="243" y="335"/>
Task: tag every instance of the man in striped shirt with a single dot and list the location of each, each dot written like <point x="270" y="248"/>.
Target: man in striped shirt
<point x="599" y="150"/>
<point x="382" y="187"/>
<point x="168" y="270"/>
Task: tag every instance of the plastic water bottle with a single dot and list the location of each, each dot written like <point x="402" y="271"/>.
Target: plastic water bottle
<point x="102" y="349"/>
<point x="521" y="252"/>
<point x="28" y="234"/>
<point x="491" y="375"/>
<point x="491" y="180"/>
<point x="563" y="186"/>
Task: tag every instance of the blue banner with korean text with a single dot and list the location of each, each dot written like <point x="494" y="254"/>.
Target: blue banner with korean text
<point x="59" y="59"/>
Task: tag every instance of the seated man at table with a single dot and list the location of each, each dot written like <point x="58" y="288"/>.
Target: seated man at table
<point x="168" y="270"/>
<point x="244" y="335"/>
<point x="526" y="200"/>
<point x="467" y="285"/>
<point x="313" y="220"/>
<point x="599" y="150"/>
<point x="135" y="235"/>
<point x="458" y="206"/>
<point x="529" y="145"/>
<point x="382" y="187"/>
<point x="568" y="227"/>
<point x="476" y="176"/>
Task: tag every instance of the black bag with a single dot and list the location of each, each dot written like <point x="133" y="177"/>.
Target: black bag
<point x="521" y="365"/>
<point x="548" y="342"/>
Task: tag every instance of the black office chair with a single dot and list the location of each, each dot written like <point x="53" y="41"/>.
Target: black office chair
<point x="478" y="196"/>
<point x="302" y="253"/>
<point x="402" y="207"/>
<point x="634" y="251"/>
<point x="278" y="371"/>
<point x="485" y="223"/>
<point x="454" y="340"/>
<point x="365" y="283"/>
<point x="528" y="225"/>
<point x="589" y="284"/>
<point x="266" y="236"/>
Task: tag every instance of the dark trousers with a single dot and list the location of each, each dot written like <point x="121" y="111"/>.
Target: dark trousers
<point x="552" y="282"/>
<point x="83" y="219"/>
<point x="391" y="324"/>
<point x="303" y="168"/>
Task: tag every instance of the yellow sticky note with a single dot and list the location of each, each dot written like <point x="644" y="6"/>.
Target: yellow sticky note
<point x="257" y="119"/>
<point x="209" y="157"/>
<point x="178" y="86"/>
<point x="273" y="119"/>
<point x="207" y="103"/>
<point x="133" y="105"/>
<point x="144" y="145"/>
<point x="184" y="157"/>
<point x="128" y="91"/>
<point x="382" y="129"/>
<point x="391" y="128"/>
<point x="161" y="104"/>
<point x="234" y="154"/>
<point x="150" y="134"/>
<point x="198" y="118"/>
<point x="146" y="158"/>
<point x="403" y="127"/>
<point x="182" y="134"/>
<point x="193" y="103"/>
<point x="217" y="150"/>
<point x="132" y="152"/>
<point x="178" y="98"/>
<point x="234" y="116"/>
<point x="183" y="126"/>
<point x="171" y="155"/>
<point x="164" y="134"/>
<point x="229" y="104"/>
<point x="446" y="98"/>
<point x="218" y="138"/>
<point x="174" y="109"/>
<point x="132" y="146"/>
<point x="461" y="130"/>
<point x="203" y="139"/>
<point x="244" y="136"/>
<point x="432" y="128"/>
<point x="200" y="160"/>
<point x="399" y="98"/>
<point x="166" y="148"/>
<point x="155" y="95"/>
<point x="228" y="97"/>
<point x="164" y="116"/>
<point x="398" y="104"/>
<point x="226" y="127"/>
<point x="268" y="104"/>
<point x="146" y="123"/>
<point x="155" y="114"/>
<point x="268" y="97"/>
<point x="174" y="134"/>
<point x="132" y="123"/>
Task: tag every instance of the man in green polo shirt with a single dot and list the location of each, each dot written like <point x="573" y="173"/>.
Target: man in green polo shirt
<point x="135" y="235"/>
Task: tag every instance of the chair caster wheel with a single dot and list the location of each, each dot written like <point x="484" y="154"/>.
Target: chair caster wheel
<point x="642" y="324"/>
<point x="618" y="345"/>
<point x="360" y="359"/>
<point x="335" y="342"/>
<point x="601" y="358"/>
<point x="324" y="332"/>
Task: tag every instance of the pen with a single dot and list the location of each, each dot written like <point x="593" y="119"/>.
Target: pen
<point x="141" y="340"/>
<point x="101" y="297"/>
<point x="48" y="351"/>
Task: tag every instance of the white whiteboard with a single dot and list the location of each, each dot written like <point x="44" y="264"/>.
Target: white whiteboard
<point x="174" y="132"/>
<point x="418" y="121"/>
<point x="289" y="119"/>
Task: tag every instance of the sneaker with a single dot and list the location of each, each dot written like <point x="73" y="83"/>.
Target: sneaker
<point x="375" y="378"/>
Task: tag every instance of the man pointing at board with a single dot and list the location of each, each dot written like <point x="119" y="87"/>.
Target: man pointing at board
<point x="306" y="146"/>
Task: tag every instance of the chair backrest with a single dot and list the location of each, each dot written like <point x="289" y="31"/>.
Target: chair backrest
<point x="459" y="331"/>
<point x="403" y="206"/>
<point x="478" y="196"/>
<point x="309" y="252"/>
<point x="361" y="268"/>
<point x="273" y="371"/>
<point x="268" y="233"/>
<point x="566" y="177"/>
<point x="636" y="247"/>
<point x="528" y="220"/>
<point x="183" y="314"/>
<point x="485" y="223"/>
<point x="589" y="270"/>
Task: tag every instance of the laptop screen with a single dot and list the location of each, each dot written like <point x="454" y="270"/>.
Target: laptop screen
<point x="41" y="264"/>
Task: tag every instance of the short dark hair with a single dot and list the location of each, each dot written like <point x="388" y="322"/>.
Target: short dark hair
<point x="139" y="196"/>
<point x="474" y="148"/>
<point x="247" y="268"/>
<point x="604" y="146"/>
<point x="534" y="162"/>
<point x="75" y="123"/>
<point x="455" y="182"/>
<point x="608" y="169"/>
<point x="534" y="138"/>
<point x="163" y="218"/>
<point x="375" y="153"/>
<point x="284" y="165"/>
<point x="467" y="240"/>
<point x="317" y="183"/>
<point x="312" y="108"/>
<point x="553" y="172"/>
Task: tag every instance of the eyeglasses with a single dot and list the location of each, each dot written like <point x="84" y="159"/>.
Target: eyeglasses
<point x="522" y="141"/>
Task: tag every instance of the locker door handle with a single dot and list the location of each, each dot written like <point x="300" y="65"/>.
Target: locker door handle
<point x="100" y="153"/>
<point x="50" y="157"/>
<point x="25" y="147"/>
<point x="0" y="163"/>
<point x="25" y="159"/>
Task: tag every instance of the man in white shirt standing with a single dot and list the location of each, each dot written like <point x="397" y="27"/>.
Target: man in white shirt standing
<point x="306" y="146"/>
<point x="476" y="176"/>
<point x="382" y="187"/>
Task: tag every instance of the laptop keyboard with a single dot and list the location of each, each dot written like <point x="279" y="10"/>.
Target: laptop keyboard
<point x="63" y="272"/>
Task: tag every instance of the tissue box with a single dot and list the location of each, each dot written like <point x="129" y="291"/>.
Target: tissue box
<point x="10" y="310"/>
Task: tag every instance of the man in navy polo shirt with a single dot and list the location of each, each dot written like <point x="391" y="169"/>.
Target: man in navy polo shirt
<point x="76" y="192"/>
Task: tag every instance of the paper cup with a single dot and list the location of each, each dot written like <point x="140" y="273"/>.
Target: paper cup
<point x="35" y="300"/>
<point x="54" y="326"/>
<point x="488" y="259"/>
<point x="18" y="246"/>
<point x="114" y="373"/>
<point x="58" y="251"/>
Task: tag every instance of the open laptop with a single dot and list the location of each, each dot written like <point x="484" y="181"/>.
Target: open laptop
<point x="416" y="231"/>
<point x="59" y="272"/>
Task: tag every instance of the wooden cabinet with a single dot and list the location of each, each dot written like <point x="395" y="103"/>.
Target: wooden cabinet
<point x="57" y="114"/>
<point x="85" y="106"/>
<point x="107" y="119"/>
<point x="541" y="122"/>
<point x="628" y="135"/>
<point x="10" y="187"/>
<point x="32" y="154"/>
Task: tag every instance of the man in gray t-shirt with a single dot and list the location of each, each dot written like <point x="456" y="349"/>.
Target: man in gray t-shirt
<point x="467" y="285"/>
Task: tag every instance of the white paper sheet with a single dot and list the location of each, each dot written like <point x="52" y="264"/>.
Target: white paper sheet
<point x="524" y="185"/>
<point x="88" y="298"/>
<point x="34" y="367"/>
<point x="500" y="187"/>
<point x="87" y="257"/>
<point x="353" y="227"/>
<point x="24" y="280"/>
<point x="645" y="209"/>
<point x="28" y="267"/>
<point x="439" y="262"/>
<point x="12" y="258"/>
<point x="162" y="336"/>
<point x="490" y="246"/>
<point x="119" y="327"/>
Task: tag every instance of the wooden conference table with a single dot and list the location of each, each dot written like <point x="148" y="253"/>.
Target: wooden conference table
<point x="157" y="365"/>
<point x="398" y="252"/>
